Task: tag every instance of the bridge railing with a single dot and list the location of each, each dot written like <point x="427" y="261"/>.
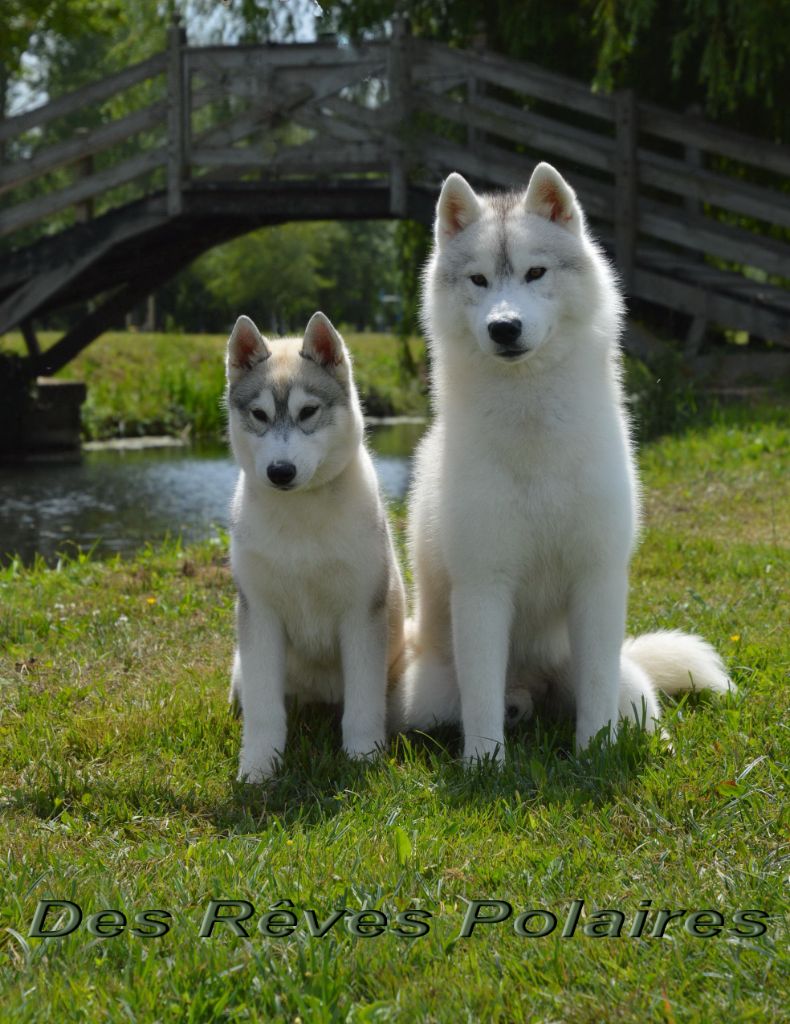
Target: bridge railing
<point x="667" y="192"/>
<point x="697" y="216"/>
<point x="39" y="181"/>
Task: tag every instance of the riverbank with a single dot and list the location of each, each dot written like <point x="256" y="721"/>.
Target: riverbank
<point x="172" y="384"/>
<point x="117" y="759"/>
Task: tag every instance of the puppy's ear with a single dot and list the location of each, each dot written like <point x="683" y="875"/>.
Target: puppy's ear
<point x="246" y="348"/>
<point x="323" y="345"/>
<point x="549" y="195"/>
<point x="458" y="207"/>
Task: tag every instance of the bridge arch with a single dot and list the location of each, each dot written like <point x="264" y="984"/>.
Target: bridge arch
<point x="237" y="138"/>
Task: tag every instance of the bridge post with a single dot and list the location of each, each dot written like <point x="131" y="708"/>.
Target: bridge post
<point x="398" y="74"/>
<point x="176" y="117"/>
<point x="625" y="212"/>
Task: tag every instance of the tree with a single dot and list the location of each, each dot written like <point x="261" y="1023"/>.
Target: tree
<point x="276" y="275"/>
<point x="731" y="57"/>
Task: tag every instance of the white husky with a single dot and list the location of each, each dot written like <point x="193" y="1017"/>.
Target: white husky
<point x="320" y="597"/>
<point x="525" y="503"/>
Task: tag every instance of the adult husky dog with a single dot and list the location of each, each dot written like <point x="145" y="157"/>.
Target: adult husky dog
<point x="320" y="597"/>
<point x="525" y="503"/>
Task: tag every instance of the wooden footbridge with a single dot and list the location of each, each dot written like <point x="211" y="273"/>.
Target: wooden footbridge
<point x="213" y="142"/>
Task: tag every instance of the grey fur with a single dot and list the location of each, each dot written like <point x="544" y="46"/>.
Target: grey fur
<point x="503" y="205"/>
<point x="317" y="382"/>
<point x="325" y="372"/>
<point x="242" y="614"/>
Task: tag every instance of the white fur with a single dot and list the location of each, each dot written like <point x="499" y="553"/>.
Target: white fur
<point x="321" y="601"/>
<point x="525" y="504"/>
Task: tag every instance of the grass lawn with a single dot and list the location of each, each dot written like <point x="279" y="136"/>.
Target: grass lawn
<point x="142" y="383"/>
<point x="116" y="791"/>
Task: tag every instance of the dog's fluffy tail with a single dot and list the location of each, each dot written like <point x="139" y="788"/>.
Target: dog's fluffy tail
<point x="675" y="662"/>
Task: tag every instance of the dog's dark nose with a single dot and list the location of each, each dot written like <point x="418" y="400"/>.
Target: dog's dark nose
<point x="281" y="473"/>
<point x="505" y="332"/>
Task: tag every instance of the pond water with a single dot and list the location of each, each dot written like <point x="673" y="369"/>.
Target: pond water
<point x="117" y="501"/>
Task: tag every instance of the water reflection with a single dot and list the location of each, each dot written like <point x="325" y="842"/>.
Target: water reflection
<point x="117" y="501"/>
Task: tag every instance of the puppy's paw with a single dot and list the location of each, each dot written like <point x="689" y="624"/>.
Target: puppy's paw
<point x="518" y="705"/>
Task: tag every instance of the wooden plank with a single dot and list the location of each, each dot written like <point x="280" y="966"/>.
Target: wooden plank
<point x="318" y="119"/>
<point x="31" y="338"/>
<point x="307" y="155"/>
<point x="77" y="148"/>
<point x="708" y="187"/>
<point x="522" y="126"/>
<point x="400" y="108"/>
<point x="71" y="102"/>
<point x="280" y="201"/>
<point x="490" y="165"/>
<point x="375" y="120"/>
<point x="44" y="206"/>
<point x="246" y="59"/>
<point x="520" y="77"/>
<point x="707" y="236"/>
<point x="176" y="119"/>
<point x="96" y="322"/>
<point x="726" y="369"/>
<point x="323" y="81"/>
<point x="625" y="210"/>
<point x="40" y="289"/>
<point x="718" y="308"/>
<point x="696" y="131"/>
<point x="248" y="121"/>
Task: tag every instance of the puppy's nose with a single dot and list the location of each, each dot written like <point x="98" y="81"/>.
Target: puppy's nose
<point x="505" y="332"/>
<point x="281" y="473"/>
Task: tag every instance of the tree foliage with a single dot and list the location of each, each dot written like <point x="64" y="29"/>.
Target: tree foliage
<point x="731" y="57"/>
<point x="279" y="276"/>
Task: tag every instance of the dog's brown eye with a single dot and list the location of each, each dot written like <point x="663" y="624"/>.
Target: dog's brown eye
<point x="480" y="280"/>
<point x="307" y="412"/>
<point x="260" y="415"/>
<point x="534" y="273"/>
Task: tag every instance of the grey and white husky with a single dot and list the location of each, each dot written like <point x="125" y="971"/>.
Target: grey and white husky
<point x="321" y="603"/>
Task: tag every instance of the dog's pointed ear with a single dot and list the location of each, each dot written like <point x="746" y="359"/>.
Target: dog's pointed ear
<point x="246" y="348"/>
<point x="323" y="345"/>
<point x="549" y="195"/>
<point x="458" y="207"/>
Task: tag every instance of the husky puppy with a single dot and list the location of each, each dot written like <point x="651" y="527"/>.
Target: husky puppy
<point x="525" y="503"/>
<point x="320" y="597"/>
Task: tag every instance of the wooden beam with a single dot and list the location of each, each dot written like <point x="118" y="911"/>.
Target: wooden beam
<point x="707" y="236"/>
<point x="251" y="59"/>
<point x="176" y="117"/>
<point x="691" y="130"/>
<point x="81" y="146"/>
<point x="518" y="76"/>
<point x="541" y="134"/>
<point x="718" y="308"/>
<point x="625" y="187"/>
<point x="31" y="339"/>
<point x="41" y="287"/>
<point x="680" y="178"/>
<point x="20" y="216"/>
<point x="96" y="322"/>
<point x="398" y="79"/>
<point x="96" y="92"/>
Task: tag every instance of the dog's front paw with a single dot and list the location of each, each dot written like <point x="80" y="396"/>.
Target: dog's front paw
<point x="363" y="748"/>
<point x="257" y="767"/>
<point x="483" y="751"/>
